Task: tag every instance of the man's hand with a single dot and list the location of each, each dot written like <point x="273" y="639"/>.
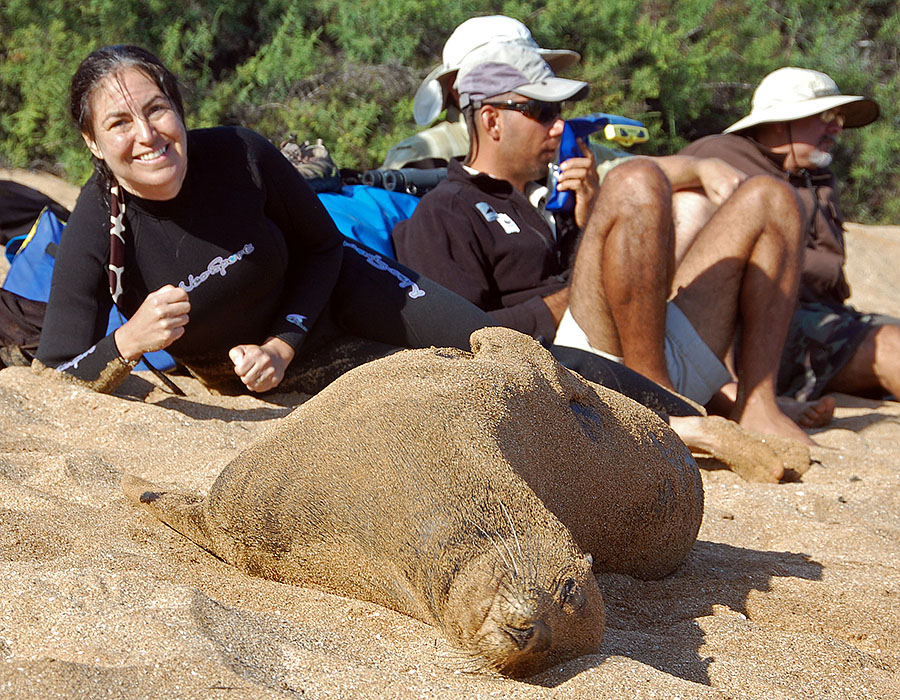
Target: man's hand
<point x="261" y="367"/>
<point x="579" y="175"/>
<point x="718" y="179"/>
<point x="157" y="323"/>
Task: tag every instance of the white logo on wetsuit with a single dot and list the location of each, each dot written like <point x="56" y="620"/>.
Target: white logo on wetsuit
<point x="217" y="266"/>
<point x="297" y="320"/>
<point x="73" y="363"/>
<point x="378" y="263"/>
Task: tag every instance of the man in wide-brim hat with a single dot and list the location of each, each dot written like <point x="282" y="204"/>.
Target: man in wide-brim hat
<point x="795" y="119"/>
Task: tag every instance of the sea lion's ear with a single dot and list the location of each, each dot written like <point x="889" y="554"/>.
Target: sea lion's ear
<point x="498" y="341"/>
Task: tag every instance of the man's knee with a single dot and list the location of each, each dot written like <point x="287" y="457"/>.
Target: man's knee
<point x="775" y="199"/>
<point x="634" y="207"/>
<point x="886" y="341"/>
<point x="637" y="182"/>
<point x="875" y="363"/>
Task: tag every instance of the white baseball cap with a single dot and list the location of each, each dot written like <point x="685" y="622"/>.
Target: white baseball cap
<point x="474" y="33"/>
<point x="794" y="93"/>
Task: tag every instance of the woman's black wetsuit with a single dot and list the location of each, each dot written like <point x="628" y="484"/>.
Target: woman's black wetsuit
<point x="259" y="257"/>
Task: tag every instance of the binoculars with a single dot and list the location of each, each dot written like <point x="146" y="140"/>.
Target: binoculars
<point x="415" y="181"/>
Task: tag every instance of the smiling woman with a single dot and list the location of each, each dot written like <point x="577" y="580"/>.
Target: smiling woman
<point x="137" y="131"/>
<point x="214" y="247"/>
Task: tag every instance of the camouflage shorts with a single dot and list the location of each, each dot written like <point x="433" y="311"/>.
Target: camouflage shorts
<point x="821" y="340"/>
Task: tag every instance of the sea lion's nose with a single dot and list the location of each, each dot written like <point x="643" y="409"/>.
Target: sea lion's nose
<point x="535" y="636"/>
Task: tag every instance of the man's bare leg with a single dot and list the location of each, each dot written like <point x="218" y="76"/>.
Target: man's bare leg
<point x="623" y="269"/>
<point x="691" y="210"/>
<point x="874" y="366"/>
<point x="744" y="266"/>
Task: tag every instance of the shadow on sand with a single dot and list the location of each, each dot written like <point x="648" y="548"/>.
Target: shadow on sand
<point x="642" y="614"/>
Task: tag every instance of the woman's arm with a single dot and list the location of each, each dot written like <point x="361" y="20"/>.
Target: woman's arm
<point x="313" y="242"/>
<point x="158" y="322"/>
<point x="74" y="339"/>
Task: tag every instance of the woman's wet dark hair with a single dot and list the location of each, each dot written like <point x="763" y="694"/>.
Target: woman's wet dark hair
<point x="108" y="61"/>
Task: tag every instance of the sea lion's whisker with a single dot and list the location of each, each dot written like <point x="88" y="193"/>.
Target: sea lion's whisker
<point x="511" y="562"/>
<point x="493" y="541"/>
<point x="463" y="661"/>
<point x="533" y="559"/>
<point x="469" y="661"/>
<point x="512" y="528"/>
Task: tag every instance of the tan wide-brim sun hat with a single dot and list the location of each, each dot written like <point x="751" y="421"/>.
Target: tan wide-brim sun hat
<point x="431" y="97"/>
<point x="794" y="93"/>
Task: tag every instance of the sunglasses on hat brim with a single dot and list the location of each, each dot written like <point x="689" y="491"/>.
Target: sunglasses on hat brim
<point x="833" y="115"/>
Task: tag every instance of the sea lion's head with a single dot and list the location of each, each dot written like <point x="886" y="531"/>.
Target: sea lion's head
<point x="519" y="614"/>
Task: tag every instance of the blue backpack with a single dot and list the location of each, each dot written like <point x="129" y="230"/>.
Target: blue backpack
<point x="31" y="270"/>
<point x="368" y="214"/>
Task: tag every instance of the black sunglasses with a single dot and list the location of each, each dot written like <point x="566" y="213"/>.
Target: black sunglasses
<point x="541" y="112"/>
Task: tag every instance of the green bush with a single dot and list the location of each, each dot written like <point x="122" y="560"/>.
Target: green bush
<point x="346" y="71"/>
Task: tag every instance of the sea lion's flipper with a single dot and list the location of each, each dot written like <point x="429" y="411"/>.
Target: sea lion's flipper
<point x="181" y="511"/>
<point x="514" y="349"/>
<point x="795" y="455"/>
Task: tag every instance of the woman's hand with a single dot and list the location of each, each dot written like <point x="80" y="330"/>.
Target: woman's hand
<point x="579" y="175"/>
<point x="261" y="367"/>
<point x="157" y="323"/>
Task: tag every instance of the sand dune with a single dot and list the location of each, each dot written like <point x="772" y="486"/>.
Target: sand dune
<point x="792" y="590"/>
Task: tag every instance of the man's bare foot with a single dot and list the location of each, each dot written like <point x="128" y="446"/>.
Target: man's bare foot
<point x="808" y="414"/>
<point x="769" y="420"/>
<point x="748" y="456"/>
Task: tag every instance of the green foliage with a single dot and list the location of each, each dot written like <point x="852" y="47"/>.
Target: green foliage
<point x="346" y="70"/>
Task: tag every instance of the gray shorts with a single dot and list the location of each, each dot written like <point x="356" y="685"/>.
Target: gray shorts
<point x="694" y="369"/>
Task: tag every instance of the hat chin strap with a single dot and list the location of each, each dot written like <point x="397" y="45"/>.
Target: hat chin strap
<point x="791" y="143"/>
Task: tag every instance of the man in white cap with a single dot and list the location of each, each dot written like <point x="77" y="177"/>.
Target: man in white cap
<point x="449" y="139"/>
<point x="794" y="121"/>
<point x="478" y="234"/>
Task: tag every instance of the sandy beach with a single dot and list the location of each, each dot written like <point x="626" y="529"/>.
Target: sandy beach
<point x="791" y="590"/>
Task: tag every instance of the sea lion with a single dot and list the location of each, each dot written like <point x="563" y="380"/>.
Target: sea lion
<point x="610" y="469"/>
<point x="391" y="486"/>
<point x="402" y="483"/>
